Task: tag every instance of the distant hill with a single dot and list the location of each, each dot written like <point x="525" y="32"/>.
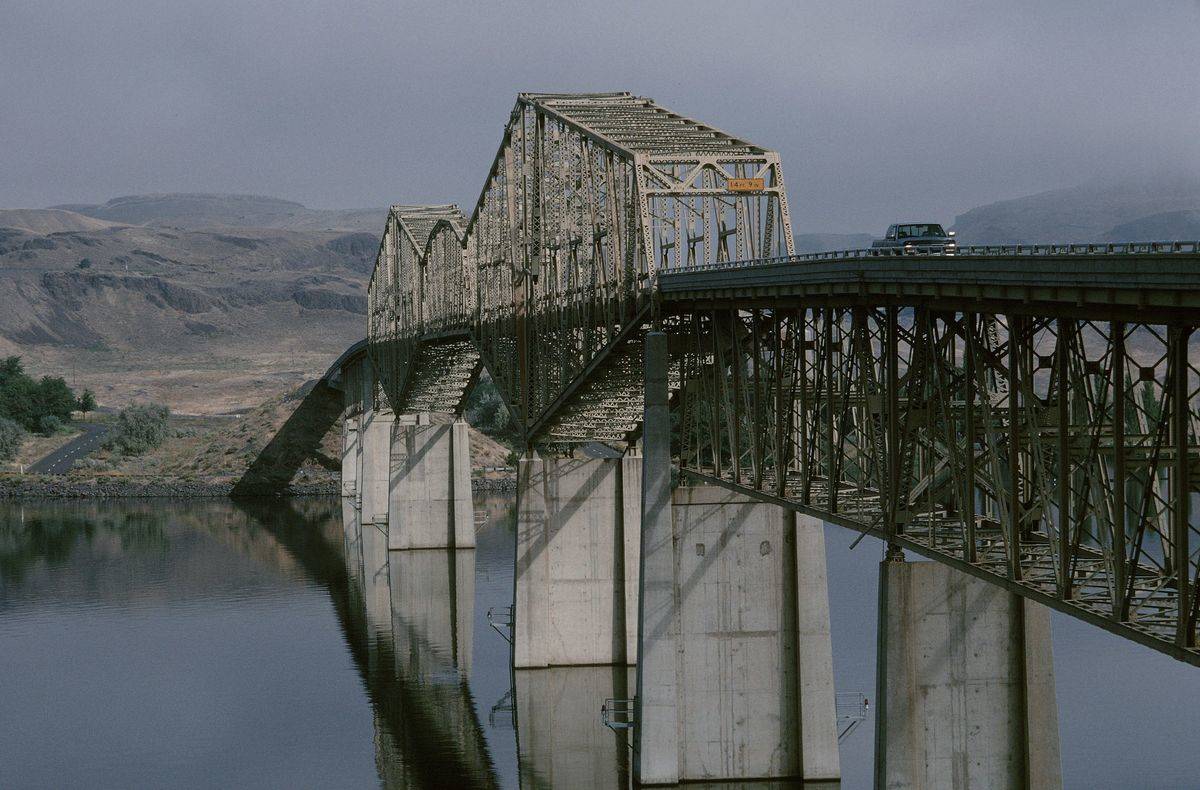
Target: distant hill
<point x="49" y="220"/>
<point x="204" y="317"/>
<point x="1169" y="226"/>
<point x="199" y="210"/>
<point x="1088" y="212"/>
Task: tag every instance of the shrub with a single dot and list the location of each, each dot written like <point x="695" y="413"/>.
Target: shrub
<point x="140" y="429"/>
<point x="11" y="436"/>
<point x="49" y="425"/>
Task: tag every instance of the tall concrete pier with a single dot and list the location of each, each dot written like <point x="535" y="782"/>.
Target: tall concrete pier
<point x="376" y="441"/>
<point x="575" y="561"/>
<point x="966" y="684"/>
<point x="736" y="673"/>
<point x="430" y="503"/>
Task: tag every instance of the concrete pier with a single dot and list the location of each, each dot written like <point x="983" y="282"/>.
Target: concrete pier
<point x="430" y="504"/>
<point x="561" y="739"/>
<point x="349" y="457"/>
<point x="735" y="671"/>
<point x="571" y="604"/>
<point x="966" y="684"/>
<point x="656" y="737"/>
<point x="376" y="441"/>
<point x="754" y="685"/>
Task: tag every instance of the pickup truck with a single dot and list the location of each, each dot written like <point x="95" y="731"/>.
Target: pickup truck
<point x="925" y="238"/>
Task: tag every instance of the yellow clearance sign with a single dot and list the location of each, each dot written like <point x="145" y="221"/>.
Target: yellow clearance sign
<point x="746" y="184"/>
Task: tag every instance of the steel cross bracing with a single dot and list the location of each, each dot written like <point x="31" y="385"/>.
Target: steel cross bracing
<point x="1028" y="414"/>
<point x="992" y="420"/>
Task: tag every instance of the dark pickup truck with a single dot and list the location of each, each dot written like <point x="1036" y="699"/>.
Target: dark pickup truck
<point x="924" y="238"/>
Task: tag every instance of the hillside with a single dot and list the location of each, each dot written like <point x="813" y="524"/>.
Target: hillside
<point x="289" y="426"/>
<point x="1095" y="211"/>
<point x="197" y="210"/>
<point x="49" y="220"/>
<point x="1172" y="225"/>
<point x="206" y="320"/>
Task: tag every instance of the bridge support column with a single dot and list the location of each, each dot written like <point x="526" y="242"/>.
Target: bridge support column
<point x="656" y="733"/>
<point x="570" y="573"/>
<point x="376" y="440"/>
<point x="431" y="506"/>
<point x="966" y="684"/>
<point x="350" y="457"/>
<point x="754" y="678"/>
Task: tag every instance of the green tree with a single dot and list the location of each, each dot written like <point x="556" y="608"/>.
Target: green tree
<point x="11" y="436"/>
<point x="486" y="412"/>
<point x="87" y="402"/>
<point x="54" y="398"/>
<point x="26" y="401"/>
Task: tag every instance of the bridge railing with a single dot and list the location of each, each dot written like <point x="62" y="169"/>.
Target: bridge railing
<point x="1138" y="248"/>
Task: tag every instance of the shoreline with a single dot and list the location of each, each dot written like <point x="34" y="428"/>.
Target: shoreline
<point x="21" y="487"/>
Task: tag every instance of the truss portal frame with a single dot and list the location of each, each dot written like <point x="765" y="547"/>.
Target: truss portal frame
<point x="589" y="197"/>
<point x="421" y="288"/>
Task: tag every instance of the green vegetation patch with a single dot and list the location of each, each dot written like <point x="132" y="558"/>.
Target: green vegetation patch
<point x="139" y="429"/>
<point x="36" y="406"/>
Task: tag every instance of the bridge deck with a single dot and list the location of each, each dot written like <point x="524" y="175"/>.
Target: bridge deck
<point x="1069" y="277"/>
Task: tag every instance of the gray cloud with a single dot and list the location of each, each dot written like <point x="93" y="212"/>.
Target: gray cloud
<point x="913" y="110"/>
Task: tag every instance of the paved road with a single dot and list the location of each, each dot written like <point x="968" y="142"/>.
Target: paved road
<point x="61" y="460"/>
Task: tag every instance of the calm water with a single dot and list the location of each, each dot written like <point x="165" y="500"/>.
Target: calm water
<point x="208" y="644"/>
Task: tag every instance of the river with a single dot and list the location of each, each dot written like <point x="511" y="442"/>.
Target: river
<point x="206" y="643"/>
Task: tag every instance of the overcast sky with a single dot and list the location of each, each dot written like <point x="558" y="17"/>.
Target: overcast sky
<point x="917" y="109"/>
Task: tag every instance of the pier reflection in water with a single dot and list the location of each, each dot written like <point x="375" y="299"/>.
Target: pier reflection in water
<point x="279" y="644"/>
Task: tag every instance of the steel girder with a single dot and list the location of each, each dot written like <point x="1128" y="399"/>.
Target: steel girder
<point x="1054" y="455"/>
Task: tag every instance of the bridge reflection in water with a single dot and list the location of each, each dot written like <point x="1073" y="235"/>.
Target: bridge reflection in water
<point x="145" y="642"/>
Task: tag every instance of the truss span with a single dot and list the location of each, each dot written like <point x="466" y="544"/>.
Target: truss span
<point x="1028" y="414"/>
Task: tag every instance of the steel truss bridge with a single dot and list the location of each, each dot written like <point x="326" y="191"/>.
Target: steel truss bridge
<point x="1027" y="414"/>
